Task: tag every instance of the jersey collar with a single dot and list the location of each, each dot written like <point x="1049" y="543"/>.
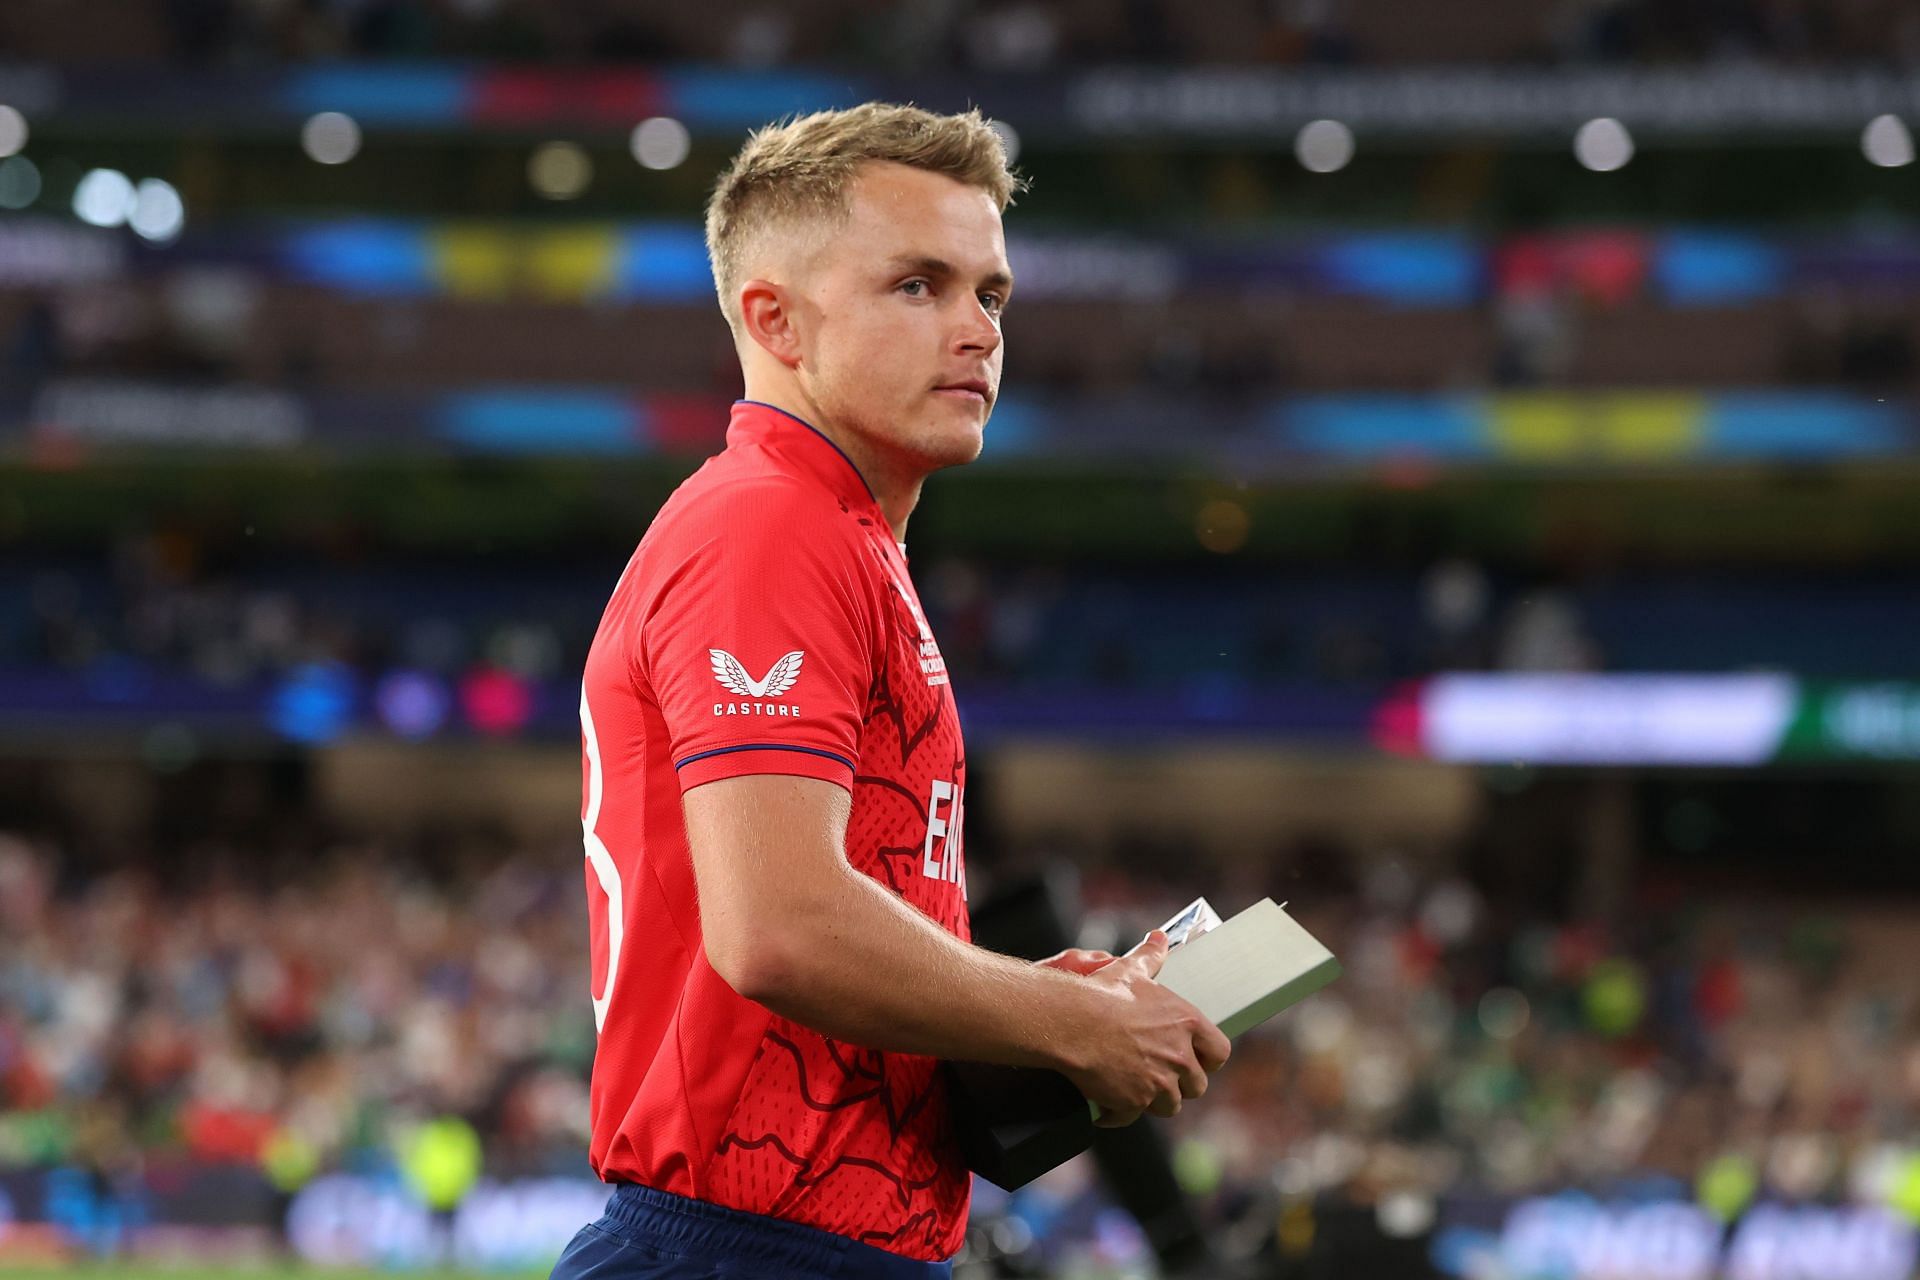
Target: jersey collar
<point x="801" y="447"/>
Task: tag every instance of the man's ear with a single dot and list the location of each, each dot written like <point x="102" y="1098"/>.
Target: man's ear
<point x="766" y="312"/>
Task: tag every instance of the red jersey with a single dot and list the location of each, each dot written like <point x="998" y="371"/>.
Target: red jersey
<point x="767" y="624"/>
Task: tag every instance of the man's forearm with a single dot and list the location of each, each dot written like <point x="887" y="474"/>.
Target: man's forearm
<point x="863" y="966"/>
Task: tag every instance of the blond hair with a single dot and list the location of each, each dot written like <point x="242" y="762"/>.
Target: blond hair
<point x="801" y="168"/>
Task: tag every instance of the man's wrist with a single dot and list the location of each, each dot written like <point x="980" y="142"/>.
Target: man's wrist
<point x="1062" y="1020"/>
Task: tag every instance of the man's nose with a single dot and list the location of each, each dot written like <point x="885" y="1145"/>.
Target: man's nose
<point x="979" y="332"/>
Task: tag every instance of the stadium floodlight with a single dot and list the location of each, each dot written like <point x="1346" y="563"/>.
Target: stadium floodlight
<point x="13" y="130"/>
<point x="559" y="170"/>
<point x="158" y="212"/>
<point x="332" y="137"/>
<point x="1324" y="146"/>
<point x="1887" y="142"/>
<point x="104" y="198"/>
<point x="660" y="142"/>
<point x="1603" y="145"/>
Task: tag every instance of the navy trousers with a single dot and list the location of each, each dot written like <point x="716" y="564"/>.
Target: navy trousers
<point x="655" y="1235"/>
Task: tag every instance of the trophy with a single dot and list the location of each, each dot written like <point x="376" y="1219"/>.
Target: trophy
<point x="1015" y="1123"/>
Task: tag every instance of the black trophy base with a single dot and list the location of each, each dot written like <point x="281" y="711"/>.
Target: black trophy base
<point x="1016" y="1123"/>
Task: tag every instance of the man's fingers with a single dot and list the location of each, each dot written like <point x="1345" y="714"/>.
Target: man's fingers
<point x="1165" y="1106"/>
<point x="1211" y="1047"/>
<point x="1193" y="1080"/>
<point x="1116" y="1119"/>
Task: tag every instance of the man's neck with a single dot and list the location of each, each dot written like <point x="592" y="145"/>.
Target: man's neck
<point x="897" y="493"/>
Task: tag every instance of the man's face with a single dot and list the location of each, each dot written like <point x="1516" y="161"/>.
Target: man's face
<point x="900" y="316"/>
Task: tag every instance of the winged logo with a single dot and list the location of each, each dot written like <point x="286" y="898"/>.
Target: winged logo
<point x="728" y="671"/>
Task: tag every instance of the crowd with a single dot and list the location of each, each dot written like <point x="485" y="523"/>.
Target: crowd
<point x="169" y="604"/>
<point x="159" y="605"/>
<point x="1471" y="1045"/>
<point x="172" y="603"/>
<point x="221" y="1018"/>
<point x="1477" y="1042"/>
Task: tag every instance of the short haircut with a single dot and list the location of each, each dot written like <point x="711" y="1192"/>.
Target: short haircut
<point x="801" y="168"/>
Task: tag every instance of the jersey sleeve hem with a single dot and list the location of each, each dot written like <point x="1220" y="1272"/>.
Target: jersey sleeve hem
<point x="763" y="757"/>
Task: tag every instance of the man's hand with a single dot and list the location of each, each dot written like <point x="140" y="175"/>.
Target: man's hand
<point x="1077" y="960"/>
<point x="787" y="923"/>
<point x="1150" y="1049"/>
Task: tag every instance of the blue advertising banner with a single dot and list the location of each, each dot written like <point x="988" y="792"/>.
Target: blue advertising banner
<point x="335" y="1220"/>
<point x="1577" y="1237"/>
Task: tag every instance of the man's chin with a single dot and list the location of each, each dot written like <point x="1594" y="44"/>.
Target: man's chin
<point x="941" y="460"/>
<point x="966" y="448"/>
<point x="949" y="445"/>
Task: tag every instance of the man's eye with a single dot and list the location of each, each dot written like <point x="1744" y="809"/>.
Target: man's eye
<point x="915" y="287"/>
<point x="993" y="302"/>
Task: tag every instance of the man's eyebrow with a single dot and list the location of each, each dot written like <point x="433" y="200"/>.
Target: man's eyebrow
<point x="928" y="265"/>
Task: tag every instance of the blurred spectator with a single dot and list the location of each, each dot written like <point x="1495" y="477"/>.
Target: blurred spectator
<point x="34" y="348"/>
<point x="1544" y="632"/>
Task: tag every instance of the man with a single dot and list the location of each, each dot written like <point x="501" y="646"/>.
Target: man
<point x="775" y="788"/>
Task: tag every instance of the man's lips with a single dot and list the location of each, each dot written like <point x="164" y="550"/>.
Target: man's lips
<point x="972" y="388"/>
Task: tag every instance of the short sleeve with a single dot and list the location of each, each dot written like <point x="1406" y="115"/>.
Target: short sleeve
<point x="759" y="646"/>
